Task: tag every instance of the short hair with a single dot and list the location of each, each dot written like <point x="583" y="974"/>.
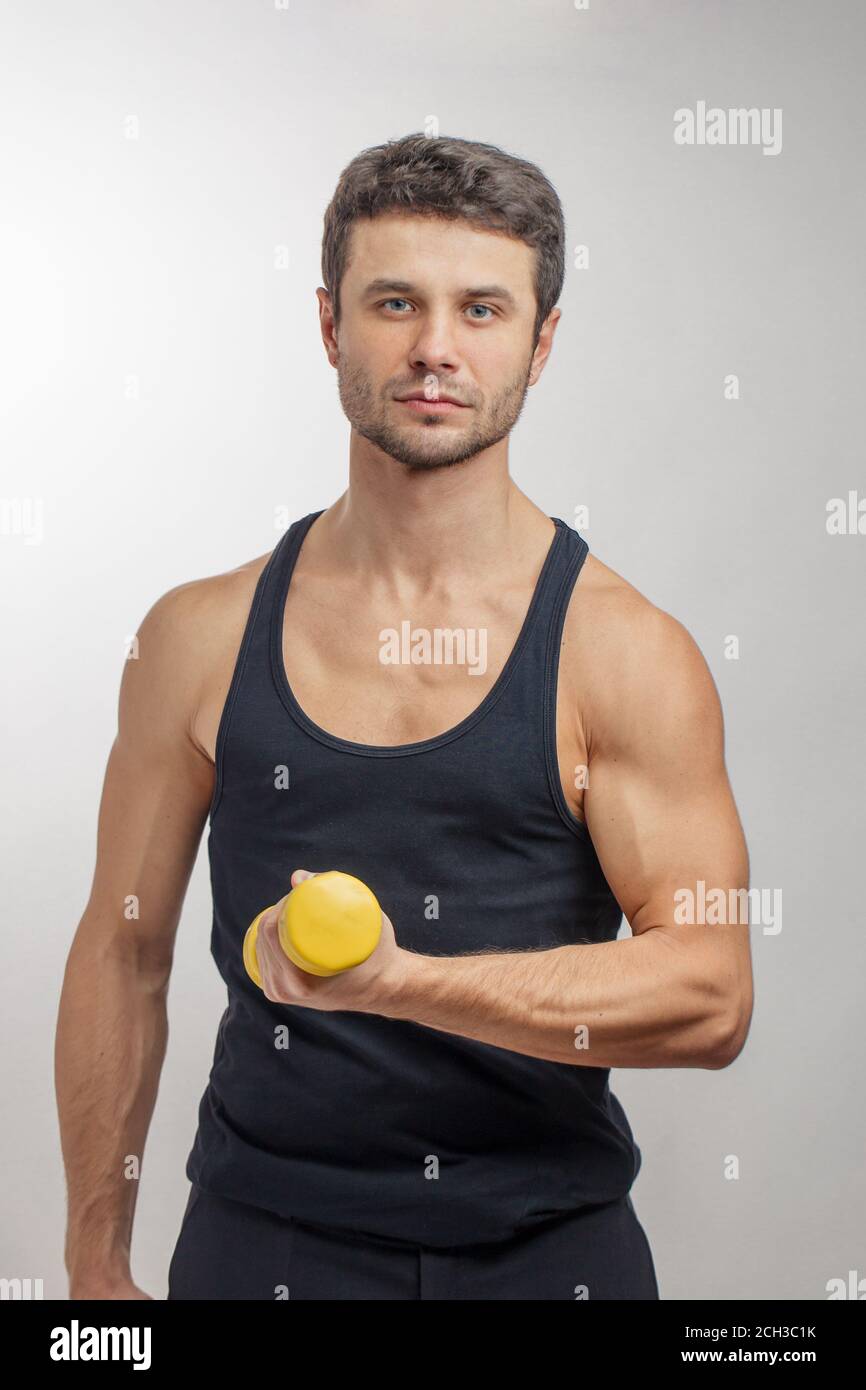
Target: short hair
<point x="446" y="177"/>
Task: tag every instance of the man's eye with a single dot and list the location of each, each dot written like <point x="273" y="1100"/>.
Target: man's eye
<point x="486" y="313"/>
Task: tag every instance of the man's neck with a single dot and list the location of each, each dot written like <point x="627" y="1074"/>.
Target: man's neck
<point x="470" y="520"/>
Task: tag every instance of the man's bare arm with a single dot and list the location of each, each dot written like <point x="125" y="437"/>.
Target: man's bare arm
<point x="112" y="1023"/>
<point x="662" y="817"/>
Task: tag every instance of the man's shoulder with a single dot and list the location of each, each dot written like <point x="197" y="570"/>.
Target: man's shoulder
<point x="622" y="652"/>
<point x="190" y="637"/>
<point x="611" y="614"/>
<point x="220" y="598"/>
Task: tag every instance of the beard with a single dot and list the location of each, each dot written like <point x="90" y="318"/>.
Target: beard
<point x="428" y="442"/>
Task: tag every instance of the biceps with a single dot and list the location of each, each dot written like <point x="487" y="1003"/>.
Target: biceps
<point x="662" y="826"/>
<point x="154" y="804"/>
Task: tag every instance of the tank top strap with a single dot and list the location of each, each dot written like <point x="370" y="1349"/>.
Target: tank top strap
<point x="569" y="560"/>
<point x="285" y="554"/>
<point x="539" y="663"/>
<point x="251" y="685"/>
<point x="567" y="564"/>
<point x="274" y="581"/>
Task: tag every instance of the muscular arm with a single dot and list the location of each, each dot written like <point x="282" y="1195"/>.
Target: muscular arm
<point x="662" y="817"/>
<point x="112" y="1025"/>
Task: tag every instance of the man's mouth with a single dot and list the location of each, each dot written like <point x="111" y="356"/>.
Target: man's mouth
<point x="421" y="404"/>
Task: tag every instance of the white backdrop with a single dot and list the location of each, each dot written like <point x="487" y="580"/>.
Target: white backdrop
<point x="164" y="171"/>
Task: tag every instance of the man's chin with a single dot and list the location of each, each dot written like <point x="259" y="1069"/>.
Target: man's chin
<point x="423" y="460"/>
<point x="430" y="465"/>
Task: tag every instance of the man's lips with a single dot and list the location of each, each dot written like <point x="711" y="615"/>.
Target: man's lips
<point x="438" y="405"/>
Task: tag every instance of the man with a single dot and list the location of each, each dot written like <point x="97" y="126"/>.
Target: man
<point x="430" y="685"/>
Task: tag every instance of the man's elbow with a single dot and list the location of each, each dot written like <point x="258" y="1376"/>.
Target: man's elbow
<point x="730" y="1033"/>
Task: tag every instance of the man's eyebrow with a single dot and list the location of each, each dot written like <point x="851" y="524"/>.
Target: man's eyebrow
<point x="382" y="286"/>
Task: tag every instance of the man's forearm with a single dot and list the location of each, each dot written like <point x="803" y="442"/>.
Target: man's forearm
<point x="110" y="1045"/>
<point x="652" y="1000"/>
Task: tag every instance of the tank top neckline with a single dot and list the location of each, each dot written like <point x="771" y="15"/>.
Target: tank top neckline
<point x="285" y="568"/>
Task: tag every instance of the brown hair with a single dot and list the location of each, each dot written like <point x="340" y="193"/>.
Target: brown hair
<point x="455" y="179"/>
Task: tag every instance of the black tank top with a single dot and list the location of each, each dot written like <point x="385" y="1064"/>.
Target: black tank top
<point x="376" y="1125"/>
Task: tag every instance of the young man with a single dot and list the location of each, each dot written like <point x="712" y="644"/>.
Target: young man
<point x="436" y="1122"/>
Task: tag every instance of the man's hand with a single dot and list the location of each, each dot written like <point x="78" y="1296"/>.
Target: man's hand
<point x="365" y="987"/>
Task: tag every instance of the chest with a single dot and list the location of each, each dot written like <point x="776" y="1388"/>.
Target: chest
<point x="380" y="676"/>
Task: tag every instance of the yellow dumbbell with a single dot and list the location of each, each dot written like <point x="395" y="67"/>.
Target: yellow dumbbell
<point x="329" y="923"/>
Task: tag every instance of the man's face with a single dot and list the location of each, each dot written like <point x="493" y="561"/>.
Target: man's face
<point x="439" y="309"/>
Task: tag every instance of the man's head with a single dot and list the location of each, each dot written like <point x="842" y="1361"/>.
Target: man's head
<point x="442" y="260"/>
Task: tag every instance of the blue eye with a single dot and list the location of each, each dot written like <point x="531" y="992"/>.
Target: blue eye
<point x="488" y="312"/>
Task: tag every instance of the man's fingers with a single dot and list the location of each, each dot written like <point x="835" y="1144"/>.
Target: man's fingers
<point x="267" y="939"/>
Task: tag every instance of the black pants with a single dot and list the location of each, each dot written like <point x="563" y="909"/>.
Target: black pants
<point x="229" y="1250"/>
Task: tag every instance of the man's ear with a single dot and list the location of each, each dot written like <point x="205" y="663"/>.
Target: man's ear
<point x="544" y="345"/>
<point x="328" y="324"/>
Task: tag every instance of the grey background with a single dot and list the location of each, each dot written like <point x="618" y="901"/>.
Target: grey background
<point x="154" y="258"/>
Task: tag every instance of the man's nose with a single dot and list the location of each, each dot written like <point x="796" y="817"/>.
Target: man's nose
<point x="434" y="349"/>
